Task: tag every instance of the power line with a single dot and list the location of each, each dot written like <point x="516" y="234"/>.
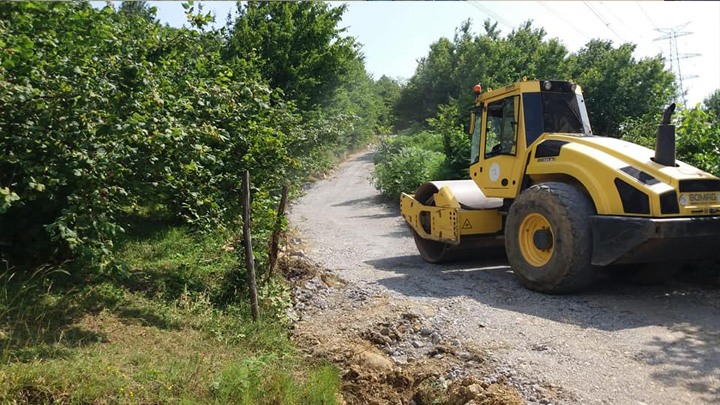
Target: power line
<point x="609" y="10"/>
<point x="646" y="15"/>
<point x="490" y="13"/>
<point x="641" y="37"/>
<point x="547" y="6"/>
<point x="607" y="24"/>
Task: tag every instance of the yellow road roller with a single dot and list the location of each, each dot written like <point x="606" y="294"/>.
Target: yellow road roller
<point x="565" y="204"/>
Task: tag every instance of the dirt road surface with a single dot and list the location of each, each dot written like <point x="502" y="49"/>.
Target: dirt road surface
<point x="613" y="344"/>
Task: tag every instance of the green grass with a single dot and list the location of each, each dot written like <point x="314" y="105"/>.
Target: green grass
<point x="166" y="331"/>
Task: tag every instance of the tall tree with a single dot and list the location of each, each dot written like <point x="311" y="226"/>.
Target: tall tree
<point x="388" y="90"/>
<point x="298" y="44"/>
<point x="451" y="68"/>
<point x="618" y="87"/>
<point x="356" y="98"/>
<point x="138" y="8"/>
<point x="712" y="103"/>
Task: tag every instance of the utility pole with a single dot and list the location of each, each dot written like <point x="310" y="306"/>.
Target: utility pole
<point x="671" y="35"/>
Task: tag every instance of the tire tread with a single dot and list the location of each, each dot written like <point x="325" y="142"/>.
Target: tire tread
<point x="578" y="208"/>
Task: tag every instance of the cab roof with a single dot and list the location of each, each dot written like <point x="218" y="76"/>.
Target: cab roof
<point x="529" y="86"/>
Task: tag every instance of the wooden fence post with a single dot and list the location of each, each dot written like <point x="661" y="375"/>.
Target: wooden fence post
<point x="247" y="239"/>
<point x="272" y="256"/>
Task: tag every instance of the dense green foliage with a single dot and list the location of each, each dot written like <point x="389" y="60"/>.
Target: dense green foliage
<point x="115" y="120"/>
<point x="445" y="149"/>
<point x="697" y="137"/>
<point x="129" y="117"/>
<point x="405" y="169"/>
<point x="616" y="85"/>
<point x="403" y="162"/>
<point x="388" y="90"/>
<point x="139" y="8"/>
<point x="299" y="47"/>
<point x="392" y="145"/>
<point x="456" y="142"/>
<point x="452" y="67"/>
<point x="122" y="145"/>
<point x="712" y="103"/>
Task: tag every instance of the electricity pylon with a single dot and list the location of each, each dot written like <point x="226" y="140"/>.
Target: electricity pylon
<point x="671" y="35"/>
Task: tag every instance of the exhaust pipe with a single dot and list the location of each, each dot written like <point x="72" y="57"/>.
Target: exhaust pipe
<point x="665" y="145"/>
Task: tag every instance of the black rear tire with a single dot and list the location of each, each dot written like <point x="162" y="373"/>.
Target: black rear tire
<point x="568" y="212"/>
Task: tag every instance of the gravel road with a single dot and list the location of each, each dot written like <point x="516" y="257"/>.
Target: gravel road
<point x="613" y="344"/>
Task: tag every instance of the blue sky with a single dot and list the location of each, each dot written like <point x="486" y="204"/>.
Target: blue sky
<point x="395" y="34"/>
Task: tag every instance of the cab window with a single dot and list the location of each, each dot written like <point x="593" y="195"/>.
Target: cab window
<point x="475" y="142"/>
<point x="501" y="128"/>
<point x="554" y="113"/>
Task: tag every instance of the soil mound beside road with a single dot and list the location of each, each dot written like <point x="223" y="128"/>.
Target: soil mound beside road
<point x="388" y="352"/>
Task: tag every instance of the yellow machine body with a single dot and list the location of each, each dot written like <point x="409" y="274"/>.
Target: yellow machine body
<point x="592" y="161"/>
<point x="600" y="163"/>
<point x="448" y="221"/>
<point x="512" y="150"/>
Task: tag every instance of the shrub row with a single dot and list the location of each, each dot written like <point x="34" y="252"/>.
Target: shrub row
<point x="697" y="136"/>
<point x="107" y="115"/>
<point x="405" y="161"/>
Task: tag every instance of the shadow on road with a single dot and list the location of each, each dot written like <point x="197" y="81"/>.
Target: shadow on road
<point x="693" y="356"/>
<point x="693" y="310"/>
<point x="362" y="202"/>
<point x="365" y="157"/>
<point x="378" y="216"/>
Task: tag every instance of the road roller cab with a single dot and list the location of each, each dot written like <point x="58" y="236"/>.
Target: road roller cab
<point x="562" y="201"/>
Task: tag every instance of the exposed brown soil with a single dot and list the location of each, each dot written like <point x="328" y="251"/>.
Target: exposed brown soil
<point x="384" y="349"/>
